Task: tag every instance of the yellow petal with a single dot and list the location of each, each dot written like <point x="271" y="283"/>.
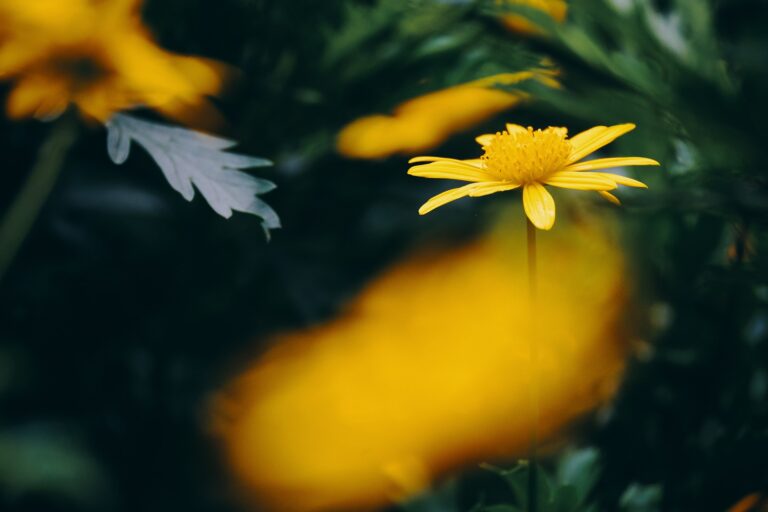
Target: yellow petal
<point x="580" y="181"/>
<point x="579" y="138"/>
<point x="445" y="197"/>
<point x="609" y="163"/>
<point x="349" y="413"/>
<point x="362" y="138"/>
<point x="610" y="197"/>
<point x="422" y="159"/>
<point x="595" y="138"/>
<point x="502" y="79"/>
<point x="449" y="171"/>
<point x="621" y="180"/>
<point x="484" y="139"/>
<point x="539" y="206"/>
<point x="472" y="190"/>
<point x="407" y="477"/>
<point x="515" y="128"/>
<point x="491" y="187"/>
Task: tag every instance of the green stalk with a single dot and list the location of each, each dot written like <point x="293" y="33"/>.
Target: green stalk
<point x="533" y="459"/>
<point x="21" y="215"/>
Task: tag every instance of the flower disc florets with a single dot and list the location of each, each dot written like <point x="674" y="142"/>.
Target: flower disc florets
<point x="527" y="156"/>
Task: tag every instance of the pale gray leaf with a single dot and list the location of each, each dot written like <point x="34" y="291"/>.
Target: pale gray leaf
<point x="231" y="160"/>
<point x="118" y="143"/>
<point x="191" y="159"/>
<point x="269" y="216"/>
<point x="180" y="183"/>
<point x="215" y="197"/>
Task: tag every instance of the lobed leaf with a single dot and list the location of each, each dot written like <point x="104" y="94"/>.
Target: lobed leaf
<point x="190" y="160"/>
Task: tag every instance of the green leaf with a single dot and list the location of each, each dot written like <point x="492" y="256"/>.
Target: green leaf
<point x="502" y="508"/>
<point x="516" y="478"/>
<point x="565" y="499"/>
<point x="641" y="498"/>
<point x="579" y="470"/>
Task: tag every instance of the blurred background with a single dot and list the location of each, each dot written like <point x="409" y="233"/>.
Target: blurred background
<point x="157" y="356"/>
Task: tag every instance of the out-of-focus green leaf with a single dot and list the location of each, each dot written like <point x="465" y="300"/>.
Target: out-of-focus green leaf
<point x="44" y="460"/>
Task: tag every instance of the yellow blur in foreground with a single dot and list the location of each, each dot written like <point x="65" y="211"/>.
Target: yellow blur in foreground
<point x="751" y="503"/>
<point x="428" y="371"/>
<point x="425" y="122"/>
<point x="555" y="9"/>
<point x="97" y="55"/>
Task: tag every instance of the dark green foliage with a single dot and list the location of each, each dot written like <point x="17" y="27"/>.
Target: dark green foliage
<point x="127" y="305"/>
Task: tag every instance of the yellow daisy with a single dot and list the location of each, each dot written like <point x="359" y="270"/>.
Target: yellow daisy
<point x="97" y="56"/>
<point x="525" y="158"/>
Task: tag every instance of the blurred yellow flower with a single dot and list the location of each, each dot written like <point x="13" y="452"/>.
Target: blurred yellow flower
<point x="751" y="503"/>
<point x="555" y="9"/>
<point x="426" y="121"/>
<point x="97" y="55"/>
<point x="428" y="370"/>
<point x="528" y="158"/>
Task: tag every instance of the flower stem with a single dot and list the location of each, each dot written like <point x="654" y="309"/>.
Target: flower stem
<point x="22" y="213"/>
<point x="534" y="355"/>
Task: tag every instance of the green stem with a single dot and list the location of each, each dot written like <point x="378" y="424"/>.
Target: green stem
<point x="25" y="208"/>
<point x="533" y="462"/>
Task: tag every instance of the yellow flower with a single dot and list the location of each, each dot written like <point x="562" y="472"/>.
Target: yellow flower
<point x="751" y="503"/>
<point x="426" y="121"/>
<point x="428" y="371"/>
<point x="524" y="157"/>
<point x="555" y="9"/>
<point x="97" y="55"/>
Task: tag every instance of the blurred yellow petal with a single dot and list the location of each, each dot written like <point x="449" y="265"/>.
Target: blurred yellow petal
<point x="30" y="94"/>
<point x="555" y="9"/>
<point x="610" y="163"/>
<point x="755" y="502"/>
<point x="426" y="121"/>
<point x="539" y="206"/>
<point x="589" y="141"/>
<point x="373" y="137"/>
<point x="545" y="76"/>
<point x="205" y="76"/>
<point x="422" y="123"/>
<point x="101" y="58"/>
<point x="420" y="377"/>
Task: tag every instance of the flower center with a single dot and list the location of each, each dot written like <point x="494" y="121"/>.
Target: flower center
<point x="526" y="156"/>
<point x="80" y="67"/>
